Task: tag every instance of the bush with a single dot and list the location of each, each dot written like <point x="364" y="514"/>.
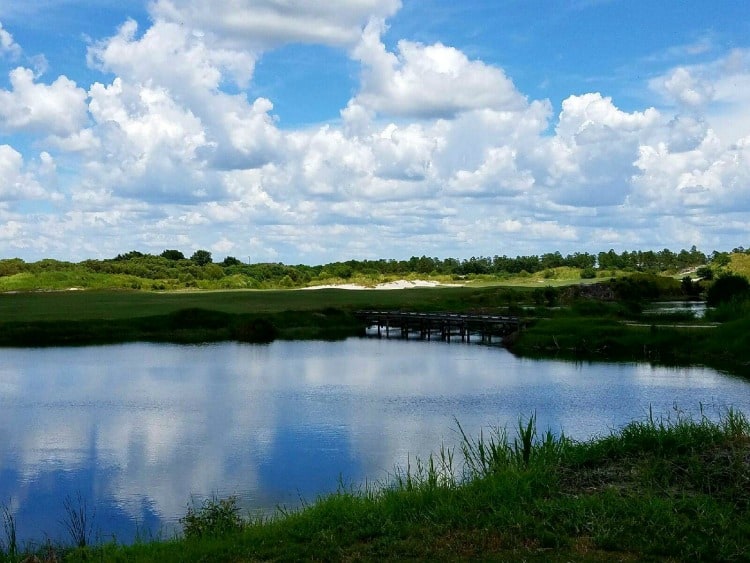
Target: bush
<point x="213" y="518"/>
<point x="588" y="273"/>
<point x="254" y="330"/>
<point x="729" y="287"/>
<point x="705" y="272"/>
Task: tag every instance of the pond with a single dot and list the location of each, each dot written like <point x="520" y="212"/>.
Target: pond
<point x="134" y="430"/>
<point x="695" y="308"/>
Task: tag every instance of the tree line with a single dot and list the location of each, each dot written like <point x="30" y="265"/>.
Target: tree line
<point x="188" y="271"/>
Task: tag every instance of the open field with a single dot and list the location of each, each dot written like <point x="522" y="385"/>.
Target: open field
<point x="99" y="317"/>
<point x="111" y="305"/>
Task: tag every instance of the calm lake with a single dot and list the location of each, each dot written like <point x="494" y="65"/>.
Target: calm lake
<point x="136" y="429"/>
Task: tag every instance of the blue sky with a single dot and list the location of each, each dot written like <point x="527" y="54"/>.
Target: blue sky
<point x="304" y="133"/>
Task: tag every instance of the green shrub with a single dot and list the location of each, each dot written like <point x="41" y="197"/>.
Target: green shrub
<point x="213" y="518"/>
<point x="729" y="287"/>
<point x="588" y="273"/>
<point x="705" y="272"/>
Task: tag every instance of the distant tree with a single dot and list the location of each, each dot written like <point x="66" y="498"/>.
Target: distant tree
<point x="129" y="255"/>
<point x="12" y="266"/>
<point x="580" y="260"/>
<point x="230" y="261"/>
<point x="201" y="257"/>
<point x="728" y="287"/>
<point x="720" y="258"/>
<point x="172" y="255"/>
<point x="609" y="260"/>
<point x="551" y="260"/>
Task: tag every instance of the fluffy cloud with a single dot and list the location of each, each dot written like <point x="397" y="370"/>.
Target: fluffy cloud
<point x="16" y="182"/>
<point x="149" y="144"/>
<point x="8" y="47"/>
<point x="498" y="175"/>
<point x="170" y="55"/>
<point x="718" y="91"/>
<point x="706" y="177"/>
<point x="427" y="80"/>
<point x="684" y="88"/>
<point x="58" y="108"/>
<point x="179" y="63"/>
<point x="263" y="24"/>
<point x="590" y="159"/>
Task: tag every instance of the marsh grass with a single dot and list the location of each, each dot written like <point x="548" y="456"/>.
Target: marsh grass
<point x="672" y="487"/>
<point x="79" y="520"/>
<point x="9" y="549"/>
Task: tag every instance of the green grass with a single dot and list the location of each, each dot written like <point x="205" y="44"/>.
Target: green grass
<point x="660" y="489"/>
<point x="86" y="305"/>
<point x="97" y="317"/>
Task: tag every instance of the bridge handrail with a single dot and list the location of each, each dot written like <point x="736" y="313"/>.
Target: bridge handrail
<point x="444" y="315"/>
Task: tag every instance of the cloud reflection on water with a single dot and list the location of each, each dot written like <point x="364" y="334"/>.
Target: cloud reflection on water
<point x="138" y="428"/>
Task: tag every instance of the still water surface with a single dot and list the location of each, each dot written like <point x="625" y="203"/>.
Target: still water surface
<point x="136" y="429"/>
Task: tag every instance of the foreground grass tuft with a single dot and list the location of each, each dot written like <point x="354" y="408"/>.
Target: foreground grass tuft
<point x="659" y="489"/>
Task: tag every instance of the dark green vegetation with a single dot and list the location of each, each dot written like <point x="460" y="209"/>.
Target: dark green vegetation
<point x="53" y="318"/>
<point x="619" y="330"/>
<point x="583" y="322"/>
<point x="655" y="490"/>
<point x="171" y="270"/>
<point x="602" y="333"/>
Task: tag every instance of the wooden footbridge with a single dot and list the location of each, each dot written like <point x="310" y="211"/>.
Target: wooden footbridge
<point x="440" y="325"/>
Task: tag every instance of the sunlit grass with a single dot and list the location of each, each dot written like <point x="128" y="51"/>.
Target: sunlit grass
<point x="740" y="264"/>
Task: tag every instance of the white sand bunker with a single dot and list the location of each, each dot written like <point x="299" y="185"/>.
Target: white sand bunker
<point x="398" y="284"/>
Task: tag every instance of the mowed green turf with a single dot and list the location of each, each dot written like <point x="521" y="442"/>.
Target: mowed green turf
<point x="87" y="305"/>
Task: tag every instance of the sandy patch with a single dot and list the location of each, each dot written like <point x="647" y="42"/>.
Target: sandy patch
<point x="398" y="284"/>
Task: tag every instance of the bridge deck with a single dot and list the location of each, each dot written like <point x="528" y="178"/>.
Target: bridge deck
<point x="442" y="324"/>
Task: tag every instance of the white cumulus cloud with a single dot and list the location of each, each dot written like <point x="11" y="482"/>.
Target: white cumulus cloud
<point x="685" y="88"/>
<point x="8" y="46"/>
<point x="58" y="108"/>
<point x="427" y="80"/>
<point x="170" y="55"/>
<point x="16" y="181"/>
<point x="148" y="144"/>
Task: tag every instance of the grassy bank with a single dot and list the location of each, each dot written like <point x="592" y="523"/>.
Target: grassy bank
<point x="655" y="490"/>
<point x="95" y="317"/>
<point x="185" y="326"/>
<point x="582" y="329"/>
<point x="608" y="332"/>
